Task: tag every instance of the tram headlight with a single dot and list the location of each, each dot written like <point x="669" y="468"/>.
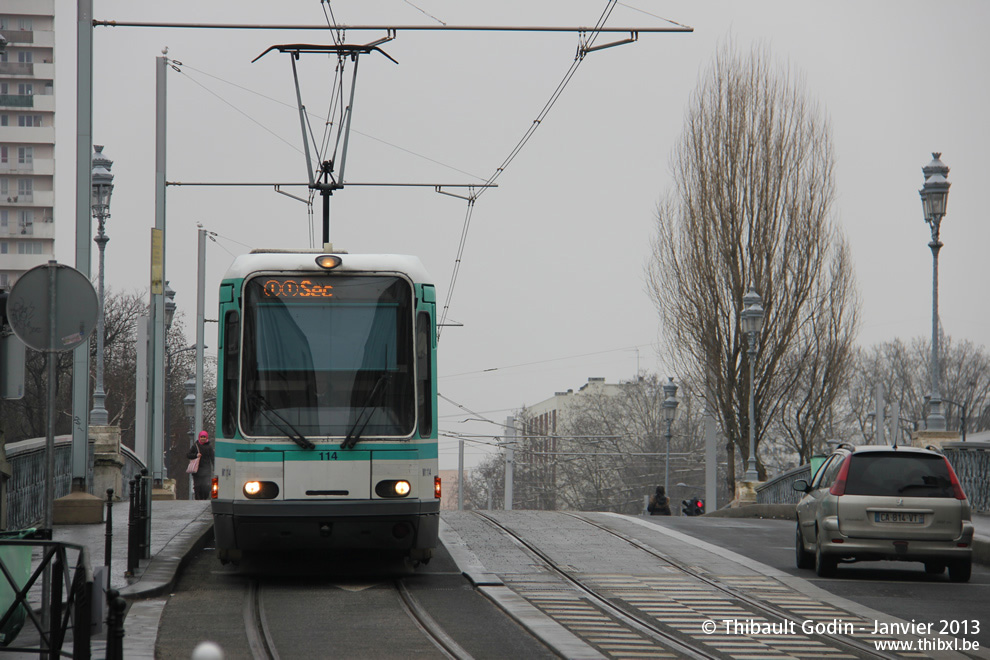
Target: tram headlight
<point x="260" y="490"/>
<point x="328" y="261"/>
<point x="393" y="488"/>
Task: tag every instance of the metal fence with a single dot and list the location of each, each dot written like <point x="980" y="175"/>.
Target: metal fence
<point x="780" y="490"/>
<point x="25" y="501"/>
<point x="970" y="461"/>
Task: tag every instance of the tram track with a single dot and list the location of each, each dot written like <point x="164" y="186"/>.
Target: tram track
<point x="262" y="644"/>
<point x="646" y="624"/>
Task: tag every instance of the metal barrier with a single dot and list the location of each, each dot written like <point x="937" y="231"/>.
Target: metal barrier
<point x="971" y="463"/>
<point x="139" y="522"/>
<point x="66" y="611"/>
<point x="26" y="487"/>
<point x="780" y="490"/>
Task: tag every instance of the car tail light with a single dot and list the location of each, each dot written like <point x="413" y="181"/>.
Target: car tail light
<point x="839" y="487"/>
<point x="956" y="487"/>
<point x="215" y="488"/>
<point x="436" y="487"/>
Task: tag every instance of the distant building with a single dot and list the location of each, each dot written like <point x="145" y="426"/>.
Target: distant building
<point x="535" y="484"/>
<point x="27" y="136"/>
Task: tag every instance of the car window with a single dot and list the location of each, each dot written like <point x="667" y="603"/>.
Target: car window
<point x="899" y="475"/>
<point x="822" y="469"/>
<point x="831" y="471"/>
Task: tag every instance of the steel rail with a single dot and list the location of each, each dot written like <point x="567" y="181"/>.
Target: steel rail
<point x="840" y="640"/>
<point x="635" y="621"/>
<point x="360" y="28"/>
<point x="428" y="625"/>
<point x="259" y="636"/>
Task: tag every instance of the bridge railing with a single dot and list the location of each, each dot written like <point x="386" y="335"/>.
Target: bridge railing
<point x="970" y="461"/>
<point x="26" y="487"/>
<point x="780" y="489"/>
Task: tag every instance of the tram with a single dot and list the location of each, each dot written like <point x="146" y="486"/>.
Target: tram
<point x="326" y="434"/>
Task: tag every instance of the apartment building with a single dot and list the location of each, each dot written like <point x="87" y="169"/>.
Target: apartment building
<point x="27" y="136"/>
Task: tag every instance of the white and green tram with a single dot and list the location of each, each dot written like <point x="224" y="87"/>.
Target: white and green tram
<point x="326" y="432"/>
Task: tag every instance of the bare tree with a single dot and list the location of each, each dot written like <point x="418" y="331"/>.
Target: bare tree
<point x="903" y="370"/>
<point x="752" y="206"/>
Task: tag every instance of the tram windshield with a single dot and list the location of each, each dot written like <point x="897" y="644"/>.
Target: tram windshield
<point x="326" y="354"/>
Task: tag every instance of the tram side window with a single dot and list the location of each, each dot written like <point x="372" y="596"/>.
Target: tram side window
<point x="424" y="375"/>
<point x="231" y="371"/>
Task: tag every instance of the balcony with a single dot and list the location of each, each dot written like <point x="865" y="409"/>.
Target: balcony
<point x="30" y="7"/>
<point x="38" y="198"/>
<point x="17" y="68"/>
<point x="40" y="166"/>
<point x="15" y="262"/>
<point x="14" y="135"/>
<point x="17" y="100"/>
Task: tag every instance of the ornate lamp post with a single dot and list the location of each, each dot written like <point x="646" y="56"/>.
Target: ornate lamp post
<point x="101" y="190"/>
<point x="752" y="322"/>
<point x="669" y="407"/>
<point x="169" y="307"/>
<point x="934" y="196"/>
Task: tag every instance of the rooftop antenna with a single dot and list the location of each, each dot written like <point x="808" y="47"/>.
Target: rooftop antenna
<point x="321" y="176"/>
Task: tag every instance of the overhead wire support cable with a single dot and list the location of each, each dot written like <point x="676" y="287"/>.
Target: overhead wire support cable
<point x="394" y="28"/>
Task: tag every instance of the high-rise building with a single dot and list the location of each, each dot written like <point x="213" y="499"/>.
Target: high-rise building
<point x="27" y="136"/>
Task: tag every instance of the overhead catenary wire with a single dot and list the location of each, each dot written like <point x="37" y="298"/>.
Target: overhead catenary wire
<point x="523" y="141"/>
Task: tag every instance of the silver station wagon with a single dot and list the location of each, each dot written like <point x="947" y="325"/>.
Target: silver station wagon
<point x="873" y="503"/>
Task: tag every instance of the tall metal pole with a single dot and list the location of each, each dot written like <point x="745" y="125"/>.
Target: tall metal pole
<point x="510" y="433"/>
<point x="102" y="189"/>
<point x="98" y="415"/>
<point x="751" y="474"/>
<point x="936" y="418"/>
<point x="84" y="227"/>
<point x="666" y="460"/>
<point x="460" y="475"/>
<point x="934" y="195"/>
<point x="200" y="330"/>
<point x="156" y="368"/>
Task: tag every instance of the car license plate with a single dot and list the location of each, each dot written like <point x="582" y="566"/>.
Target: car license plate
<point x="898" y="517"/>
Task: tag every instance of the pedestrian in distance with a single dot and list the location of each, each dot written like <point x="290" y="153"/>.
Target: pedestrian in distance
<point x="203" y="474"/>
<point x="659" y="503"/>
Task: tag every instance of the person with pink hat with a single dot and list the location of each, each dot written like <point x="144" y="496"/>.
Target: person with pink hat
<point x="201" y="459"/>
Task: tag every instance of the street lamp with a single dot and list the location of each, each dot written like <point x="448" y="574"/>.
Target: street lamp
<point x="669" y="407"/>
<point x="102" y="188"/>
<point x="752" y="322"/>
<point x="934" y="196"/>
<point x="169" y="307"/>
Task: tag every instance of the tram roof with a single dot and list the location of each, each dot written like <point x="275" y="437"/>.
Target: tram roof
<point x="305" y="260"/>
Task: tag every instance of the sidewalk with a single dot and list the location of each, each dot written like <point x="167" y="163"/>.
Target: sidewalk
<point x="178" y="528"/>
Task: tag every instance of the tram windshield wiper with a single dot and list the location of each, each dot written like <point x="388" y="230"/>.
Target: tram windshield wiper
<point x="355" y="433"/>
<point x="272" y="416"/>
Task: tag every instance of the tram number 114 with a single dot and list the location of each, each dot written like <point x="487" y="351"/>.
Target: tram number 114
<point x="328" y="455"/>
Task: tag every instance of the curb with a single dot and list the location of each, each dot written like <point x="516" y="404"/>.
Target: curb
<point x="162" y="571"/>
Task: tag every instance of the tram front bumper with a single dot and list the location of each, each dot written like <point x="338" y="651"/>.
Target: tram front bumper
<point x="271" y="526"/>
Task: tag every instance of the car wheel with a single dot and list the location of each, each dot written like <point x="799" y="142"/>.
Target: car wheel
<point x="803" y="558"/>
<point x="934" y="567"/>
<point x="824" y="565"/>
<point x="959" y="571"/>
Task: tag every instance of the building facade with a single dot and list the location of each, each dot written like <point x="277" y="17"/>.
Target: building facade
<point x="536" y="480"/>
<point x="27" y="136"/>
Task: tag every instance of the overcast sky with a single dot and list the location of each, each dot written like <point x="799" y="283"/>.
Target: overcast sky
<point x="551" y="288"/>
